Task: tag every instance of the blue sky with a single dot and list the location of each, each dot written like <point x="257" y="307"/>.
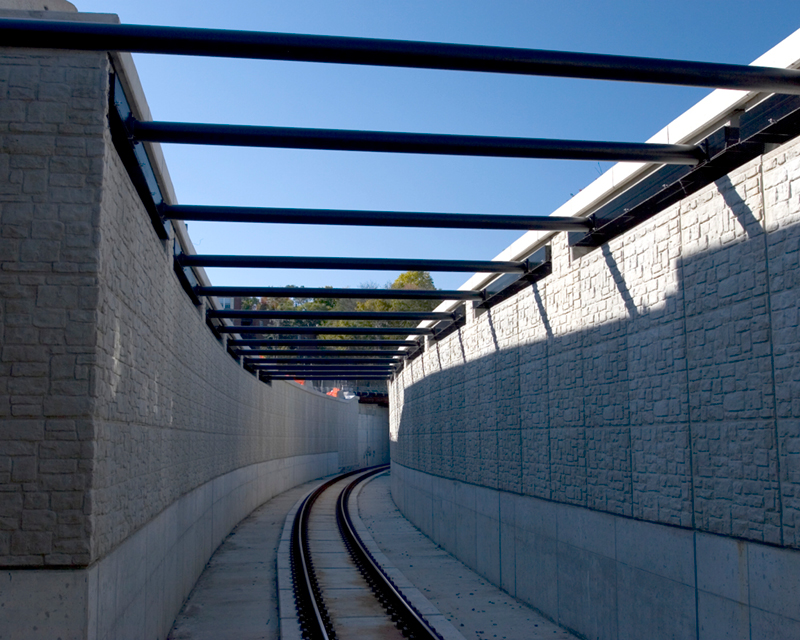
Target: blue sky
<point x="351" y="97"/>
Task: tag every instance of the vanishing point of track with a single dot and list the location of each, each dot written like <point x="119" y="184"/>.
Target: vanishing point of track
<point x="316" y="621"/>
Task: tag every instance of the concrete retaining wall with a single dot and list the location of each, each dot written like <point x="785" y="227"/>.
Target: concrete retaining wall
<point x="130" y="442"/>
<point x="373" y="435"/>
<point x="651" y="383"/>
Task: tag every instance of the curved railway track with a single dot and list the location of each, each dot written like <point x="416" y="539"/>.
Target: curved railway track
<point x="316" y="621"/>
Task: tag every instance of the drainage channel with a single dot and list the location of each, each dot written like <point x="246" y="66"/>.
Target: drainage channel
<point x="340" y="591"/>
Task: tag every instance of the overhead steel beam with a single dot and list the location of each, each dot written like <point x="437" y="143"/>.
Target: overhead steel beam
<point x="321" y="353"/>
<point x="326" y="372"/>
<point x="299" y="342"/>
<point x="369" y="294"/>
<point x="370" y="264"/>
<point x="390" y="53"/>
<point x="373" y="218"/>
<point x="288" y="357"/>
<point x="387" y="316"/>
<point x="336" y="331"/>
<point x="294" y="369"/>
<point x="328" y="366"/>
<point x="425" y="143"/>
<point x="356" y="376"/>
<point x="322" y="362"/>
<point x="339" y="375"/>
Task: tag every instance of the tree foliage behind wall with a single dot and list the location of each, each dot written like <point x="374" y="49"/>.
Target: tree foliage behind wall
<point x="408" y="280"/>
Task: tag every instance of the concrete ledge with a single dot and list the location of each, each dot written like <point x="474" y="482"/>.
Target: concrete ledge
<point x="605" y="576"/>
<point x="137" y="590"/>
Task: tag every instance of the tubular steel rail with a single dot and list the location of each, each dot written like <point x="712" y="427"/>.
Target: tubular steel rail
<point x="410" y="622"/>
<point x="315" y="622"/>
<point x="678" y="169"/>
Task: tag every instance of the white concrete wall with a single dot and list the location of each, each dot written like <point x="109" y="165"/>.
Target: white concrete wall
<point x="373" y="435"/>
<point x="650" y="385"/>
<point x="131" y="442"/>
<point x="607" y="576"/>
<point x="136" y="590"/>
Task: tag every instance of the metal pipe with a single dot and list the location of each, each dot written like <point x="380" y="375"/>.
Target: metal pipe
<point x="299" y="365"/>
<point x="324" y="362"/>
<point x="299" y="342"/>
<point x="387" y="316"/>
<point x="391" y="53"/>
<point x="367" y="294"/>
<point x="336" y="331"/>
<point x="372" y="264"/>
<point x="374" y="218"/>
<point x="426" y="143"/>
<point x="326" y="372"/>
<point x="358" y="376"/>
<point x="321" y="353"/>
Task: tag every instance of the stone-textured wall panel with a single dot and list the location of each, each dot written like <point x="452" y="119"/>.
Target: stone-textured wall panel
<point x="655" y="377"/>
<point x="115" y="399"/>
<point x="781" y="174"/>
<point x="568" y="465"/>
<point x="52" y="115"/>
<point x="729" y="356"/>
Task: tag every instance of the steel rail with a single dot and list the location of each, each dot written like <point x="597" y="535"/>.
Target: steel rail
<point x="388" y="316"/>
<point x="391" y="53"/>
<point x="312" y="614"/>
<point x="328" y="263"/>
<point x="410" y="622"/>
<point x="367" y="294"/>
<point x="205" y="213"/>
<point x="333" y="331"/>
<point x="400" y="142"/>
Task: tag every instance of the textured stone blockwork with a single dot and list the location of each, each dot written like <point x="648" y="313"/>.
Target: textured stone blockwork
<point x="653" y="381"/>
<point x="655" y="377"/>
<point x="115" y="398"/>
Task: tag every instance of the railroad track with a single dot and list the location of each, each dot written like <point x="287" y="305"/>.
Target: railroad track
<point x="318" y="621"/>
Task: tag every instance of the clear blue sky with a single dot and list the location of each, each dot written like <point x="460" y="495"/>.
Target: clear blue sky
<point x="351" y="97"/>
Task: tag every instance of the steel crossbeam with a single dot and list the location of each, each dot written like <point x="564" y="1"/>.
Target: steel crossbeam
<point x="335" y="331"/>
<point x="89" y="36"/>
<point x="371" y="264"/>
<point x="386" y="316"/>
<point x="400" y="142"/>
<point x="373" y="218"/>
<point x="302" y="343"/>
<point x="309" y="292"/>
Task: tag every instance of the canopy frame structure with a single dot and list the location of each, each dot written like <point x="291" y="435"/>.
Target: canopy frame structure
<point x="300" y="349"/>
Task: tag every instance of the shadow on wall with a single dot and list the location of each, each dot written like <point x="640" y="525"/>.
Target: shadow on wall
<point x="685" y="412"/>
